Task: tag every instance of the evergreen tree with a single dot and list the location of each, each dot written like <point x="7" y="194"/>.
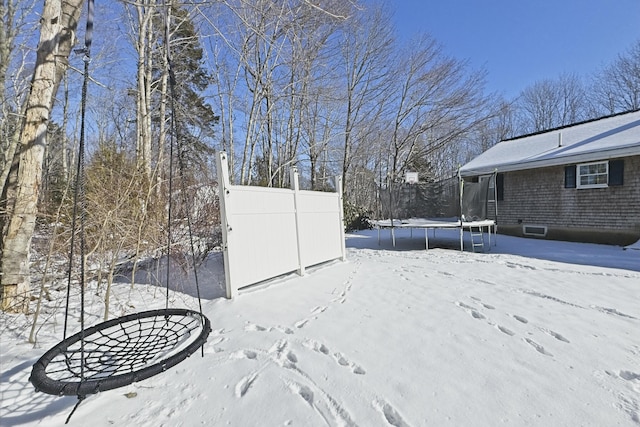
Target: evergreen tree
<point x="195" y="119"/>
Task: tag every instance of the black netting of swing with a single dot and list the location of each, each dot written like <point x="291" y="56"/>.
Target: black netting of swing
<point x="120" y="351"/>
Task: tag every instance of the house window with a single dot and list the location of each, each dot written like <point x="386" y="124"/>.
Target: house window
<point x="593" y="175"/>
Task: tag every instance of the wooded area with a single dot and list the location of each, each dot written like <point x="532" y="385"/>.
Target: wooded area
<point x="324" y="86"/>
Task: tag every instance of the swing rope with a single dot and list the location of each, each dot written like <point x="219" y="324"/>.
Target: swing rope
<point x="79" y="198"/>
<point x="181" y="153"/>
<point x="134" y="347"/>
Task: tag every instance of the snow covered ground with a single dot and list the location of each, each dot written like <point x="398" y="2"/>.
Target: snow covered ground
<point x="530" y="333"/>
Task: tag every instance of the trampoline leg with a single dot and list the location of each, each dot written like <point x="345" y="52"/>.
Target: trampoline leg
<point x="489" y="233"/>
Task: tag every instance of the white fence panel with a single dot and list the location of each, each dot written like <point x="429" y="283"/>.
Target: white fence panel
<point x="259" y="223"/>
<point x="268" y="232"/>
<point x="320" y="227"/>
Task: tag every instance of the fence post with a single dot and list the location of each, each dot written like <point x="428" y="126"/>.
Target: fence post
<point x="295" y="184"/>
<point x="341" y="216"/>
<point x="225" y="204"/>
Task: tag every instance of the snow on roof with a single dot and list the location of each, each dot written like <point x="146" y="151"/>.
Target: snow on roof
<point x="601" y="139"/>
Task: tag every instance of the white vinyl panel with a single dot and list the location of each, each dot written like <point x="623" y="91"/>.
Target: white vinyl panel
<point x="320" y="224"/>
<point x="316" y="201"/>
<point x="262" y="236"/>
<point x="319" y="238"/>
<point x="260" y="200"/>
<point x="263" y="246"/>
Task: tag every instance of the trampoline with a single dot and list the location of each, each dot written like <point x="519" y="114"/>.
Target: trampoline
<point x="475" y="227"/>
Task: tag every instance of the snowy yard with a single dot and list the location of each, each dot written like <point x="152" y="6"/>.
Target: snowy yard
<point x="530" y="333"/>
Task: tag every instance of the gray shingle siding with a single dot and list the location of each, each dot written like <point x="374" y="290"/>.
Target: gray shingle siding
<point x="538" y="197"/>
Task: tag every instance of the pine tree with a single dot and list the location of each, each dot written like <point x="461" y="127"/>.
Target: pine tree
<point x="195" y="119"/>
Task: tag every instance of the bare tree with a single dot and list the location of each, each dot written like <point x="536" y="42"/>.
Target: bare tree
<point x="435" y="103"/>
<point x="269" y="60"/>
<point x="14" y="28"/>
<point x="551" y="103"/>
<point x="366" y="48"/>
<point x="261" y="27"/>
<point x="58" y="24"/>
<point x="141" y="16"/>
<point x="617" y="87"/>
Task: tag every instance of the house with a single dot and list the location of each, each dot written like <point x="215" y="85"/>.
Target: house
<point x="579" y="182"/>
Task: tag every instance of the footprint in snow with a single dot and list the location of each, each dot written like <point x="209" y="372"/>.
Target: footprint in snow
<point x="477" y="315"/>
<point x="211" y="345"/>
<point x="217" y="340"/>
<point x="284" y="330"/>
<point x="540" y="349"/>
<point x="245" y="384"/>
<point x="391" y="416"/>
<point x="245" y="354"/>
<point x="250" y="327"/>
<point x="358" y="370"/>
<point x="505" y="330"/>
<point x="472" y="311"/>
<point x="338" y="357"/>
<point x="291" y="356"/>
<point x="318" y="310"/>
<point x="341" y="359"/>
<point x="555" y="335"/>
<point x="317" y="346"/>
<point x="463" y="305"/>
<point x="487" y="306"/>
<point x="342" y="297"/>
<point x="520" y="319"/>
<point x="629" y="376"/>
<point x="279" y="346"/>
<point x="303" y="391"/>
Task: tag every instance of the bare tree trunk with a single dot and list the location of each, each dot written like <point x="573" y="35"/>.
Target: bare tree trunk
<point x="13" y="21"/>
<point x="366" y="50"/>
<point x="58" y="24"/>
<point x="162" y="131"/>
<point x="8" y="163"/>
<point x="145" y="11"/>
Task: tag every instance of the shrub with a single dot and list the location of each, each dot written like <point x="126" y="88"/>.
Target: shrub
<point x="356" y="217"/>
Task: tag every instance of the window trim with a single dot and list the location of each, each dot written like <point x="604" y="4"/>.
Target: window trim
<point x="579" y="185"/>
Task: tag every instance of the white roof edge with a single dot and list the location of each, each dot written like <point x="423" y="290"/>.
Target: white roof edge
<point x="631" y="150"/>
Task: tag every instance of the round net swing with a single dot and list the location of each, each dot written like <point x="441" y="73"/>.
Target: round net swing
<point x="134" y="347"/>
<point x="120" y="351"/>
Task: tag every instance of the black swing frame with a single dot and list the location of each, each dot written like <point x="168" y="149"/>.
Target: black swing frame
<point x="82" y="387"/>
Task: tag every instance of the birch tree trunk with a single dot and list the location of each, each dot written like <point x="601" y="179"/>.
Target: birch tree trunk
<point x="145" y="11"/>
<point x="13" y="21"/>
<point x="57" y="37"/>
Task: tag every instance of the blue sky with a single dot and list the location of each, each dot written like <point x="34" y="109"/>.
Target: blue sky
<point x="521" y="42"/>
